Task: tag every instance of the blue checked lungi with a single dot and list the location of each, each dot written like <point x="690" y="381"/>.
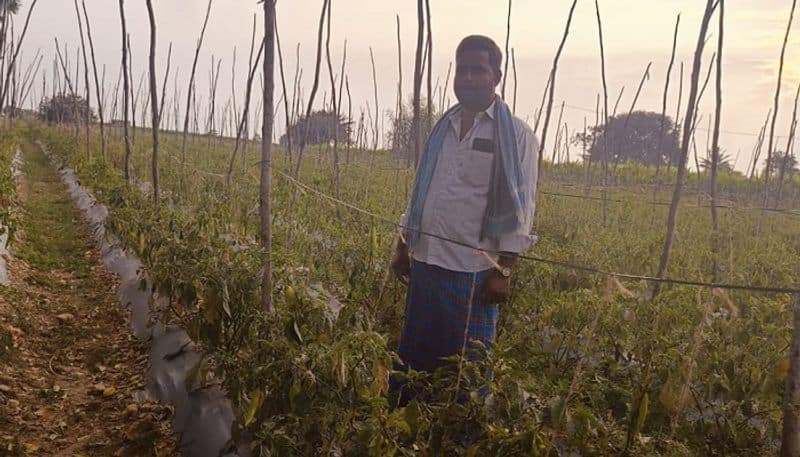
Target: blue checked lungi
<point x="437" y="306"/>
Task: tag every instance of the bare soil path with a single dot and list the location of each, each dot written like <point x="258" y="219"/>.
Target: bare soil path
<point x="71" y="373"/>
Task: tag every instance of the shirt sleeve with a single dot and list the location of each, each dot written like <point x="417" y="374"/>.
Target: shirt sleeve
<point x="528" y="147"/>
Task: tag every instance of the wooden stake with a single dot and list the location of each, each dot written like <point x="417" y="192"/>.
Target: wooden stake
<point x="190" y="97"/>
<point x="688" y="122"/>
<point x="154" y="106"/>
<point x="551" y="96"/>
<point x="126" y="94"/>
<point x="265" y="197"/>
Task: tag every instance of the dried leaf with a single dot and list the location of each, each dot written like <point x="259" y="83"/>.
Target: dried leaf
<point x="732" y="308"/>
<point x="226" y="299"/>
<point x="622" y="289"/>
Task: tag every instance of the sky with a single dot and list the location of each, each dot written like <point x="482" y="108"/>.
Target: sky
<point x="636" y="32"/>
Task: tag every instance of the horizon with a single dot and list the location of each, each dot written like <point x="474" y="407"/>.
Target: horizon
<point x="634" y="34"/>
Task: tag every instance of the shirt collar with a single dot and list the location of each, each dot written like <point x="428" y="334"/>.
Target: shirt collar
<point x="489" y="112"/>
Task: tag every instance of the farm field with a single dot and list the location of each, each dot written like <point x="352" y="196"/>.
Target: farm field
<point x="213" y="262"/>
<point x="581" y="363"/>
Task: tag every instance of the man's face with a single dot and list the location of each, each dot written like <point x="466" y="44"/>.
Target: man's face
<point x="475" y="79"/>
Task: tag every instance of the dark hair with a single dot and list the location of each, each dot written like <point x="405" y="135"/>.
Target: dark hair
<point x="482" y="43"/>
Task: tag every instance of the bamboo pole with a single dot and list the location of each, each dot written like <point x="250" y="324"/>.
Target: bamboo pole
<point x="98" y="86"/>
<point x="235" y="106"/>
<point x="134" y="95"/>
<point x="604" y="156"/>
<point x="335" y="105"/>
<point x="398" y="117"/>
<point x="558" y="135"/>
<point x="551" y="96"/>
<point x="376" y="133"/>
<point x="265" y="206"/>
<point x="623" y="138"/>
<point x="154" y="106"/>
<point x="415" y="122"/>
<point x="715" y="148"/>
<point x="678" y="109"/>
<point x="190" y="90"/>
<point x="126" y="94"/>
<point x="17" y="47"/>
<point x="29" y="83"/>
<point x="349" y="119"/>
<point x="688" y="122"/>
<point x="442" y="105"/>
<point x="287" y="114"/>
<point x="164" y="86"/>
<point x="250" y="65"/>
<point x="65" y="70"/>
<point x="663" y="120"/>
<point x="429" y="106"/>
<point x="314" y="86"/>
<point x="771" y="143"/>
<point x="789" y="146"/>
<point x="759" y="145"/>
<point x="508" y="42"/>
<point x="541" y="106"/>
<point x="245" y="115"/>
<point x="87" y="112"/>
<point x="296" y="92"/>
<point x="514" y="69"/>
<point x="707" y="79"/>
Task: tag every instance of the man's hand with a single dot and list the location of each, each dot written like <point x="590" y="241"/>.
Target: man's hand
<point x="401" y="263"/>
<point x="496" y="289"/>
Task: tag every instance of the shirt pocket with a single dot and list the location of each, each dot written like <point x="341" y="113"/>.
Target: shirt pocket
<point x="475" y="170"/>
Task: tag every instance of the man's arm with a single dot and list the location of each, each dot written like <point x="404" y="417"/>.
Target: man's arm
<point x="528" y="147"/>
<point x="498" y="288"/>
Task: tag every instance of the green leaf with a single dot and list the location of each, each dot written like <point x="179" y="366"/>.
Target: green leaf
<point x="411" y="414"/>
<point x="255" y="406"/>
<point x="643" y="410"/>
<point x="294" y="392"/>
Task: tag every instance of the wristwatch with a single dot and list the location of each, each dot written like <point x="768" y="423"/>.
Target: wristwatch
<point x="505" y="272"/>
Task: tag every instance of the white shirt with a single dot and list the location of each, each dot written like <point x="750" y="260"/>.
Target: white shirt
<point x="458" y="195"/>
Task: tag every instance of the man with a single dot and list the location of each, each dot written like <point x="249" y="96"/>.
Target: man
<point x="475" y="188"/>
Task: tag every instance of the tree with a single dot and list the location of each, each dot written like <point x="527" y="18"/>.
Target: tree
<point x="8" y="7"/>
<point x="724" y="165"/>
<point x="319" y="128"/>
<point x="16" y="46"/>
<point x="402" y="128"/>
<point x="65" y="108"/>
<point x="633" y="138"/>
<point x="781" y="159"/>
